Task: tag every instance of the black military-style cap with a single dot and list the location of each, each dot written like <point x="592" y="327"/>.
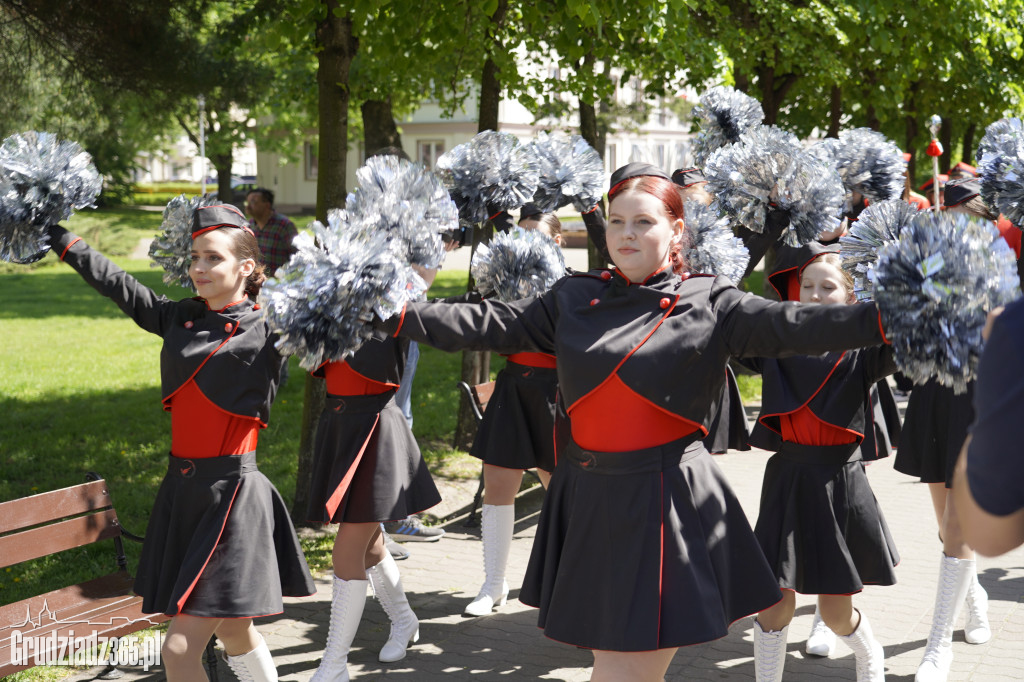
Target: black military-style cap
<point x="687" y="177"/>
<point x="635" y="170"/>
<point x="961" y="190"/>
<point x="209" y="218"/>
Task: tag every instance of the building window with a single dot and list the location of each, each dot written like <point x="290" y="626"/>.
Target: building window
<point x="427" y="151"/>
<point x="312" y="154"/>
<point x="611" y="157"/>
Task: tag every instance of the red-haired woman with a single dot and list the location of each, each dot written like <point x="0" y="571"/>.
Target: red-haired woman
<point x="642" y="547"/>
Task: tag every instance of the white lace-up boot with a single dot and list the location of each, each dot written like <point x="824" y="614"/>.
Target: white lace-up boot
<point x="955" y="576"/>
<point x="769" y="653"/>
<point x="255" y="666"/>
<point x="867" y="651"/>
<point x="496" y="528"/>
<point x="405" y="627"/>
<point x="821" y="641"/>
<point x="977" y="630"/>
<point x="347" y="602"/>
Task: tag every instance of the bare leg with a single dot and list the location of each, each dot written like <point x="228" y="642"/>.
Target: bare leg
<point x="355" y="545"/>
<point x="183" y="647"/>
<point x="779" y="616"/>
<point x="636" y="666"/>
<point x="545" y="478"/>
<point x="501" y="484"/>
<point x="838" y="614"/>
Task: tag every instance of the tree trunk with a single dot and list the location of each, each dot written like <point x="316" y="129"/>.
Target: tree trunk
<point x="968" y="150"/>
<point x="946" y="139"/>
<point x="379" y="129"/>
<point x="476" y="365"/>
<point x="222" y="164"/>
<point x="595" y="135"/>
<point x="835" y="111"/>
<point x="911" y="136"/>
<point x="774" y="89"/>
<point x="337" y="46"/>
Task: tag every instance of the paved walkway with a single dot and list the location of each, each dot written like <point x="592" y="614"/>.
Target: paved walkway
<point x="441" y="577"/>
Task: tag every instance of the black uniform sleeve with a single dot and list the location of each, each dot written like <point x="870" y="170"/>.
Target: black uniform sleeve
<point x="596" y="226"/>
<point x="879" y="362"/>
<point x="526" y="325"/>
<point x="995" y="467"/>
<point x="151" y="312"/>
<point x="753" y="326"/>
<point x="758" y="243"/>
<point x="502" y="220"/>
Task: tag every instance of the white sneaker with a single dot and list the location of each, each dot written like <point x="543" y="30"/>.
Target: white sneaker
<point x="821" y="641"/>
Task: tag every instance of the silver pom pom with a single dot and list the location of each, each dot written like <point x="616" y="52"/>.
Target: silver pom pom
<point x="870" y="164"/>
<point x="1001" y="167"/>
<point x="813" y="195"/>
<point x="321" y="302"/>
<point x="569" y="171"/>
<point x="713" y="248"/>
<point x="724" y="114"/>
<point x="824" y="151"/>
<point x="767" y="167"/>
<point x="42" y="179"/>
<point x="879" y="224"/>
<point x="172" y="248"/>
<point x="491" y="170"/>
<point x="517" y="264"/>
<point x="407" y="203"/>
<point x="934" y="288"/>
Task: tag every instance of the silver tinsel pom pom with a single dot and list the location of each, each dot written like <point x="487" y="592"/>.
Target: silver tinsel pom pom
<point x="724" y="114"/>
<point x="824" y="151"/>
<point x="517" y="264"/>
<point x="172" y="248"/>
<point x="869" y="163"/>
<point x="322" y="301"/>
<point x="767" y="166"/>
<point x="1001" y="167"/>
<point x="569" y="171"/>
<point x="879" y="224"/>
<point x="42" y="179"/>
<point x="934" y="288"/>
<point x="491" y="170"/>
<point x="713" y="248"/>
<point x="813" y="195"/>
<point x="407" y="203"/>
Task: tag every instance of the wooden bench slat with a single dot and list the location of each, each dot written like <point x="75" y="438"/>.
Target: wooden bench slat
<point x="57" y="537"/>
<point x="53" y="505"/>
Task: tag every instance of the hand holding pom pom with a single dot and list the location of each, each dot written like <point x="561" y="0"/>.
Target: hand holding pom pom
<point x="41" y="180"/>
<point x="934" y="288"/>
<point x="517" y="264"/>
<point x="569" y="171"/>
<point x="321" y="302"/>
<point x="492" y="169"/>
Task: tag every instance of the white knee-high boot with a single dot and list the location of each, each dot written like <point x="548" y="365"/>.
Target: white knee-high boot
<point x="496" y="528"/>
<point x="977" y="629"/>
<point x="821" y="641"/>
<point x="867" y="651"/>
<point x="347" y="602"/>
<point x="769" y="653"/>
<point x="405" y="627"/>
<point x="955" y="576"/>
<point x="255" y="666"/>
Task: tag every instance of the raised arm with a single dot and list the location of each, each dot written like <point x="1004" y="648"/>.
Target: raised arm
<point x="136" y="300"/>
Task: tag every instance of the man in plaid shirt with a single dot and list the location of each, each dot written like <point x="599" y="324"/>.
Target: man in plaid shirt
<point x="274" y="232"/>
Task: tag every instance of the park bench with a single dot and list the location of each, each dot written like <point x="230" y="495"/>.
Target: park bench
<point x="56" y="521"/>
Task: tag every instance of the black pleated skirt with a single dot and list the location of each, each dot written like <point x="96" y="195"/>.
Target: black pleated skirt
<point x="819" y="523"/>
<point x="729" y="429"/>
<point x="644" y="550"/>
<point x="367" y="466"/>
<point x="219" y="543"/>
<point x="934" y="429"/>
<point x="518" y="429"/>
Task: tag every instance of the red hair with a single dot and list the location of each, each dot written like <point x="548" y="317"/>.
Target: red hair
<point x="667" y="193"/>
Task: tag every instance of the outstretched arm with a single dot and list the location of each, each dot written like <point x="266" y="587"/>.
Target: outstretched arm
<point x="136" y="300"/>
